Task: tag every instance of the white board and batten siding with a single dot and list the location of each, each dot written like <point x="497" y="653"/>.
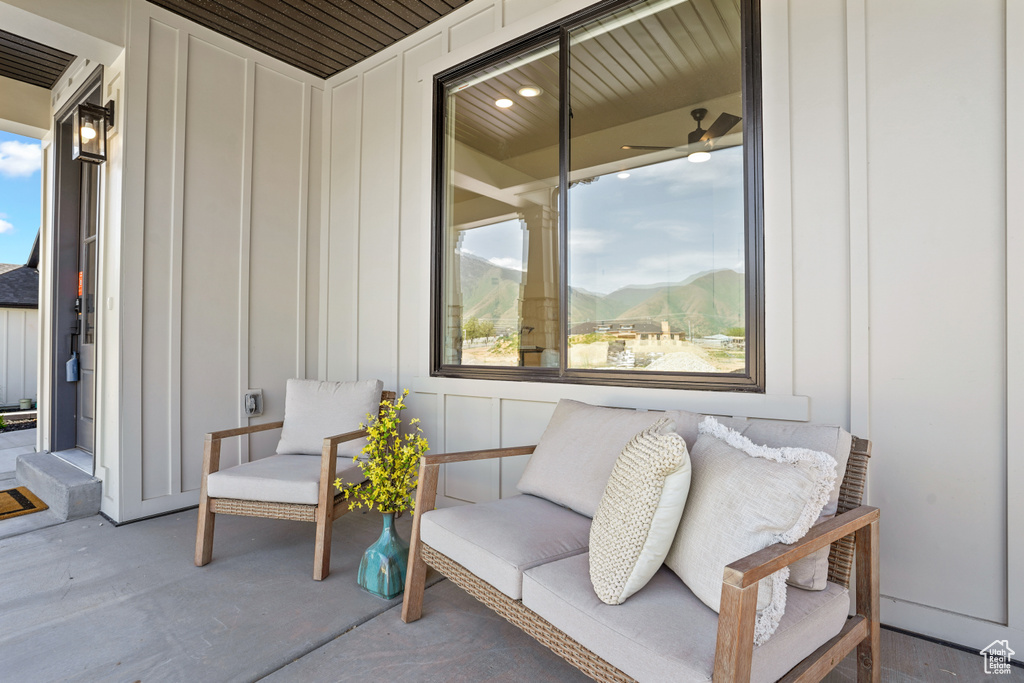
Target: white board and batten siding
<point x="891" y="249"/>
<point x="19" y="350"/>
<point x="220" y="250"/>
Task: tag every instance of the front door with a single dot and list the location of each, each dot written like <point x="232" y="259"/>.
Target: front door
<point x="86" y="306"/>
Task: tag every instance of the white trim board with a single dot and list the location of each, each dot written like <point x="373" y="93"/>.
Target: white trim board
<point x="1014" y="316"/>
<point x="764" y="406"/>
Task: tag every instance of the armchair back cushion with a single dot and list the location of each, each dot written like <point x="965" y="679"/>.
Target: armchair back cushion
<point x="574" y="459"/>
<point x="315" y="410"/>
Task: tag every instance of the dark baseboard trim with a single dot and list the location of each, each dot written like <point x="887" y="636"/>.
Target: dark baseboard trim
<point x="143" y="519"/>
<point x="946" y="643"/>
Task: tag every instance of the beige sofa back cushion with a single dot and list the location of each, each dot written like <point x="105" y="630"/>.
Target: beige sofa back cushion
<point x="574" y="459"/>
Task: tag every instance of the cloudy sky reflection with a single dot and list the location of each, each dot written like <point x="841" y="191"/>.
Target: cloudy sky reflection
<point x="663" y="223"/>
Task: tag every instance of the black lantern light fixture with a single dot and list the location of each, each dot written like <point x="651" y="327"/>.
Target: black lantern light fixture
<point x="89" y="132"/>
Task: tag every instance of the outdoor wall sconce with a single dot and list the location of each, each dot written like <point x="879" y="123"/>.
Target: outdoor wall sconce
<point x="89" y="132"/>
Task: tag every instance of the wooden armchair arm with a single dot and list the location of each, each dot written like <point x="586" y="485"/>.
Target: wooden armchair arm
<point x="211" y="448"/>
<point x="738" y="608"/>
<point x="239" y="431"/>
<point x="342" y="438"/>
<point x="426" y="487"/>
<point x="328" y="465"/>
<point x="756" y="566"/>
<point x="464" y="456"/>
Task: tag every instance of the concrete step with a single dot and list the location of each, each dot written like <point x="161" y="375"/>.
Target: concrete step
<point x="70" y="492"/>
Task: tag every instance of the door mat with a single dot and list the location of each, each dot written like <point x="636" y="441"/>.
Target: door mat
<point x="19" y="501"/>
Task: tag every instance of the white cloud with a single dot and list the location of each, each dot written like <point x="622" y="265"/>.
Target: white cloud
<point x="5" y="226"/>
<point x="587" y="241"/>
<point x="19" y="159"/>
<point x="510" y="263"/>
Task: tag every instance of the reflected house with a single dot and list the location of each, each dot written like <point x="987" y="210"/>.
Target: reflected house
<point x="720" y="340"/>
<point x="640" y="330"/>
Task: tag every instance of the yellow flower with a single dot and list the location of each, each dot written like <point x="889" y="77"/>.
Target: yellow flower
<point x="392" y="463"/>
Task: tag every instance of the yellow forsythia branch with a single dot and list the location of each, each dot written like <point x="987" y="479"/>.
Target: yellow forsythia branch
<point x="391" y="463"/>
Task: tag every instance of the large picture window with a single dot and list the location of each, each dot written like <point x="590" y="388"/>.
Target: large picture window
<point x="597" y="212"/>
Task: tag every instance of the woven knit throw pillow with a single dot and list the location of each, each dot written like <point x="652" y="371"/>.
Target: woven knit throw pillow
<point x="639" y="513"/>
<point x="743" y="498"/>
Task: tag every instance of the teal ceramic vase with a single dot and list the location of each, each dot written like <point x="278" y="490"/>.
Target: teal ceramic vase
<point x="382" y="569"/>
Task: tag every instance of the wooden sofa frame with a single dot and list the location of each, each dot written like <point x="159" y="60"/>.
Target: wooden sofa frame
<point x="852" y="533"/>
<point x="330" y="505"/>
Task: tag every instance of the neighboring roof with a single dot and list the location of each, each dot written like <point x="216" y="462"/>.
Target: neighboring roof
<point x="31" y="62"/>
<point x="33" y="256"/>
<point x="19" y="286"/>
<point x="321" y="37"/>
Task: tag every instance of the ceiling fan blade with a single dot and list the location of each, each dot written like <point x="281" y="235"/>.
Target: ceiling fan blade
<point x="722" y="125"/>
<point x="645" y="147"/>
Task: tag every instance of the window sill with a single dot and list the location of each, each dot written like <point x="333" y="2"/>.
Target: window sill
<point x="737" y="404"/>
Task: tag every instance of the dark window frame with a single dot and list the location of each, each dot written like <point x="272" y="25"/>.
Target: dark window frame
<point x="753" y="380"/>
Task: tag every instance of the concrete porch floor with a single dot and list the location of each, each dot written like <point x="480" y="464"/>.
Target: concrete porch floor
<point x="86" y="601"/>
<point x="13" y="444"/>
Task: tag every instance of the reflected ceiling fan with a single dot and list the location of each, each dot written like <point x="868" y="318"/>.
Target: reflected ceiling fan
<point x="722" y="125"/>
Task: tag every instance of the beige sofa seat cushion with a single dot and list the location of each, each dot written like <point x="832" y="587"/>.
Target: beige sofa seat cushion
<point x="578" y="450"/>
<point x="499" y="540"/>
<point x="810" y="572"/>
<point x="277" y="479"/>
<point x="315" y="410"/>
<point x="664" y="633"/>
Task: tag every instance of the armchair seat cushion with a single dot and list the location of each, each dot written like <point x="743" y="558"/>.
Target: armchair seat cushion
<point x="277" y="479"/>
<point x="664" y="633"/>
<point x="498" y="541"/>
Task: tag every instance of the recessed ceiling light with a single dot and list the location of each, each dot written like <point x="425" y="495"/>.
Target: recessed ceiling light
<point x="503" y="103"/>
<point x="699" y="157"/>
<point x="623" y="175"/>
<point x="530" y="91"/>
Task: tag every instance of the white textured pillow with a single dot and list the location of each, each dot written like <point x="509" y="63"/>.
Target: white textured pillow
<point x="744" y="497"/>
<point x="811" y="572"/>
<point x="639" y="513"/>
<point x="316" y="410"/>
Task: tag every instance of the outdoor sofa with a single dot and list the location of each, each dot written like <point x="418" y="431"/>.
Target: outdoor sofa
<point x="527" y="558"/>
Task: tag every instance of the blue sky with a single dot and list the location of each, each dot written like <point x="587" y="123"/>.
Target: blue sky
<point x="19" y="196"/>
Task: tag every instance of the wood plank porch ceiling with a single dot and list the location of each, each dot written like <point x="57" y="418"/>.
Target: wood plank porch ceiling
<point x="321" y="37"/>
<point x="31" y="62"/>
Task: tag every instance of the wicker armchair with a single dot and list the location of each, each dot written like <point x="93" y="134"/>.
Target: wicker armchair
<point x="330" y="505"/>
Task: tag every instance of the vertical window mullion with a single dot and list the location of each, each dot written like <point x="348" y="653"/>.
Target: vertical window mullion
<point x="564" y="122"/>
